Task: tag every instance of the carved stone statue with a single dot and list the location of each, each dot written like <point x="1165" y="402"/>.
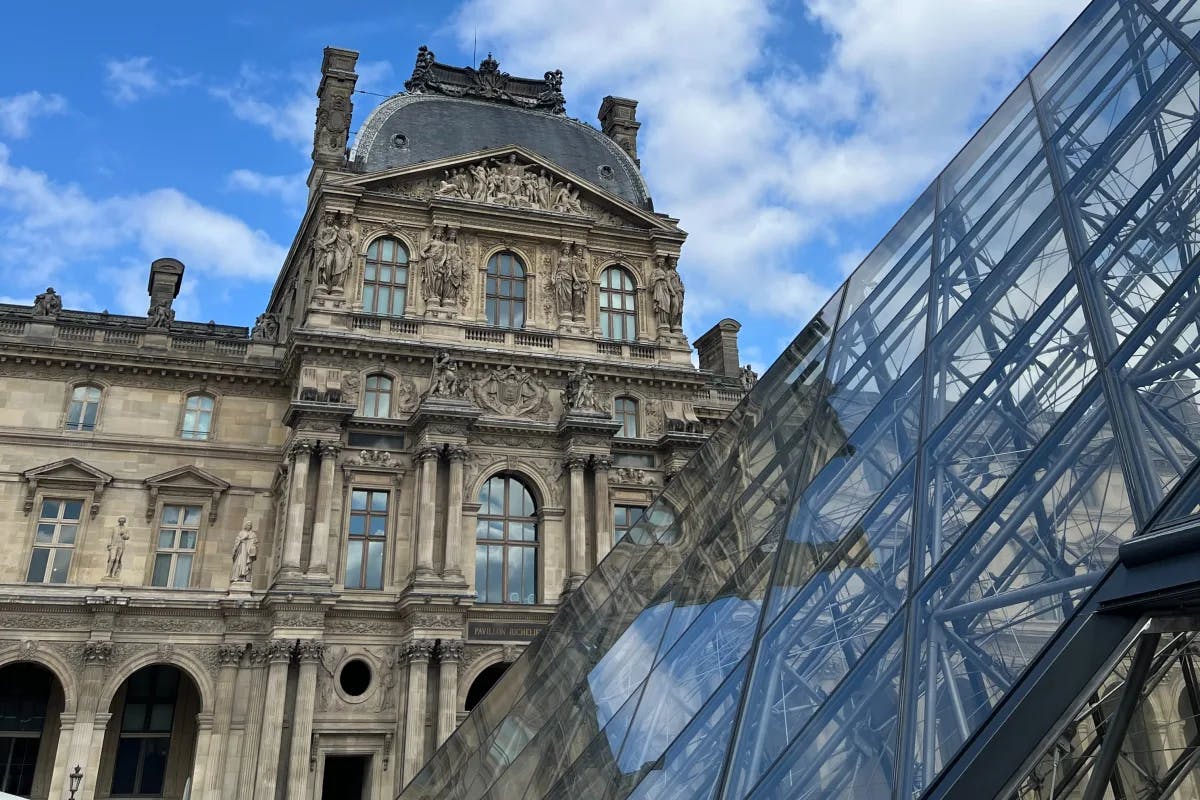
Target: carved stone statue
<point x="566" y="200"/>
<point x="160" y="315"/>
<point x="446" y="381"/>
<point x="454" y="282"/>
<point x="333" y="124"/>
<point x="675" y="284"/>
<point x="47" y="304"/>
<point x="563" y="283"/>
<point x="580" y="280"/>
<point x="333" y="253"/>
<point x="512" y="392"/>
<point x="116" y="549"/>
<point x="580" y="394"/>
<point x="266" y="328"/>
<point x="245" y="551"/>
<point x="433" y="268"/>
<point x="748" y="377"/>
<point x="508" y="182"/>
<point x="660" y="293"/>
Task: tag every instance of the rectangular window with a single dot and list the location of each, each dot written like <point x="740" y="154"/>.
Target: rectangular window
<point x="624" y="518"/>
<point x="54" y="540"/>
<point x="197" y="417"/>
<point x="178" y="533"/>
<point x="84" y="408"/>
<point x="367" y="535"/>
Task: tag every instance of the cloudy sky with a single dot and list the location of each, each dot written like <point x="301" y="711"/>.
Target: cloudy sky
<point x="787" y="136"/>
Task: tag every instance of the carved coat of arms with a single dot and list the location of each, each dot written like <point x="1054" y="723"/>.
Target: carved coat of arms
<point x="510" y="392"/>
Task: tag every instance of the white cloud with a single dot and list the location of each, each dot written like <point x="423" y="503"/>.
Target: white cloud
<point x="131" y="79"/>
<point x="757" y="157"/>
<point x="288" y="114"/>
<point x="291" y="190"/>
<point x="18" y="111"/>
<point x="50" y="230"/>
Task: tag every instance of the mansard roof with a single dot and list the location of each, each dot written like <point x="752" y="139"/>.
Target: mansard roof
<point x="449" y="111"/>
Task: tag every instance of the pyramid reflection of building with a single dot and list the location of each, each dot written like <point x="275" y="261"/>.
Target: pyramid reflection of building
<point x="908" y="560"/>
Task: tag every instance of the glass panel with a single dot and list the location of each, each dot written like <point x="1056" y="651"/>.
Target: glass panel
<point x="62" y="563"/>
<point x="72" y="509"/>
<point x="166" y="538"/>
<point x="374" y="578"/>
<point x="44" y="533"/>
<point x="354" y="552"/>
<point x="170" y="515"/>
<point x="162" y="570"/>
<point x="358" y="500"/>
<point x="51" y="508"/>
<point x="183" y="571"/>
<point x="66" y="533"/>
<point x="37" y="565"/>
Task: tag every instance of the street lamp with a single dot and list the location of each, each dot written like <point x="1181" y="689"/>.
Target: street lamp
<point x="76" y="778"/>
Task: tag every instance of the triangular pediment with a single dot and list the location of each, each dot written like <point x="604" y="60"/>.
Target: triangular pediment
<point x="67" y="474"/>
<point x="187" y="481"/>
<point x="512" y="178"/>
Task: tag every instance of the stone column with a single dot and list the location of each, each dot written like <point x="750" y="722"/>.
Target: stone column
<point x="309" y="652"/>
<point x="450" y="652"/>
<point x="604" y="513"/>
<point x="318" y="559"/>
<point x="293" y="535"/>
<point x="229" y="656"/>
<point x="279" y="655"/>
<point x="427" y="512"/>
<point x="419" y="652"/>
<point x="201" y="766"/>
<point x="256" y="688"/>
<point x="86" y="739"/>
<point x="452" y="568"/>
<point x="578" y="564"/>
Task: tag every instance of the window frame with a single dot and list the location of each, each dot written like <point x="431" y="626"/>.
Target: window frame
<point x="55" y="545"/>
<point x="146" y="735"/>
<point x="364" y="540"/>
<point x="607" y="313"/>
<point x="624" y="417"/>
<point x="507" y="543"/>
<point x="66" y="425"/>
<point x="493" y="297"/>
<point x="631" y="521"/>
<point x="368" y="392"/>
<point x="192" y="435"/>
<point x="175" y="551"/>
<point x="371" y="306"/>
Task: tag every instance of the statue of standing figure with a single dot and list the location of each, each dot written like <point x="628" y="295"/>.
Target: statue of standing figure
<point x="454" y="280"/>
<point x="675" y="284"/>
<point x="47" y="304"/>
<point x="563" y="283"/>
<point x="433" y="268"/>
<point x="245" y="551"/>
<point x="660" y="292"/>
<point x="333" y="253"/>
<point x="116" y="549"/>
<point x="580" y="279"/>
<point x="580" y="394"/>
<point x="445" y="381"/>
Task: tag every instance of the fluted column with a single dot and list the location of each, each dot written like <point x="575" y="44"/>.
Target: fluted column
<point x="293" y="536"/>
<point x="452" y="568"/>
<point x="604" y="514"/>
<point x="309" y="652"/>
<point x="318" y="559"/>
<point x="279" y="655"/>
<point x="87" y="734"/>
<point x="419" y="652"/>
<point x="575" y="466"/>
<point x="229" y="656"/>
<point x="450" y="652"/>
<point x="427" y="514"/>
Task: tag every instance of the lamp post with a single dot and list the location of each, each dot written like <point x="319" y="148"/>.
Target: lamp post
<point x="76" y="778"/>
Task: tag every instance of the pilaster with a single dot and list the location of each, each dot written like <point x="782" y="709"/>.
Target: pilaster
<point x="279" y="655"/>
<point x="419" y="651"/>
<point x="450" y="653"/>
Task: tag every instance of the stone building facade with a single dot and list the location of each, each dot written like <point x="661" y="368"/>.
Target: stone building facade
<point x="283" y="561"/>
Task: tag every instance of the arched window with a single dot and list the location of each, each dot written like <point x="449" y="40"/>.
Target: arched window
<point x="84" y="410"/>
<point x="377" y="396"/>
<point x="505" y="291"/>
<point x="506" y="543"/>
<point x="618" y="313"/>
<point x="625" y="412"/>
<point x="385" y="278"/>
<point x="197" y="416"/>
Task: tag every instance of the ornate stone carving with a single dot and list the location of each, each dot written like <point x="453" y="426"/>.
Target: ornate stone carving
<point x="572" y="463"/>
<point x="449" y="622"/>
<point x="333" y="124"/>
<point x="676" y="291"/>
<point x="230" y="655"/>
<point x="419" y="649"/>
<point x="28" y="647"/>
<point x="245" y="551"/>
<point x="333" y="252"/>
<point x="446" y="381"/>
<point x="580" y="394"/>
<point x="512" y="652"/>
<point x="349" y="388"/>
<point x="373" y="458"/>
<point x="456" y="452"/>
<point x="404" y="394"/>
<point x="511" y="392"/>
<point x="653" y="416"/>
<point x="97" y="652"/>
<point x="302" y="447"/>
<point x="266" y="328"/>
<point x="278" y="650"/>
<point x="160" y="315"/>
<point x="487" y="82"/>
<point x="634" y="475"/>
<point x="511" y="183"/>
<point x="748" y="377"/>
<point x="17" y="621"/>
<point x="116" y="549"/>
<point x="387" y="683"/>
<point x="310" y="650"/>
<point x="443" y="269"/>
<point x="47" y="304"/>
<point x="450" y="650"/>
<point x="165" y="650"/>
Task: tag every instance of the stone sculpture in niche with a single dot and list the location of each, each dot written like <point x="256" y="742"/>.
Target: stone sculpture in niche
<point x="116" y="549"/>
<point x="266" y="328"/>
<point x="160" y="315"/>
<point x="446" y="381"/>
<point x="580" y="280"/>
<point x="433" y="260"/>
<point x="333" y="253"/>
<point x="454" y="285"/>
<point x="580" y="394"/>
<point x="675" y="287"/>
<point x="511" y="392"/>
<point x="660" y="293"/>
<point x="47" y="304"/>
<point x="509" y="183"/>
<point x="563" y="283"/>
<point x="443" y="269"/>
<point x="245" y="551"/>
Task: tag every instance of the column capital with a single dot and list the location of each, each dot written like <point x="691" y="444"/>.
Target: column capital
<point x="230" y="655"/>
<point x="450" y="650"/>
<point x="456" y="452"/>
<point x="280" y="650"/>
<point x="328" y="450"/>
<point x="602" y="463"/>
<point x="96" y="652"/>
<point x="575" y="463"/>
<point x="429" y="451"/>
<point x="419" y="650"/>
<point x="301" y="447"/>
<point x="310" y="650"/>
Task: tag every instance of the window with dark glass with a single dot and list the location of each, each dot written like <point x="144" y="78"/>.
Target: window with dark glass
<point x="54" y="540"/>
<point x="24" y="696"/>
<point x="505" y="296"/>
<point x="625" y="412"/>
<point x="624" y="518"/>
<point x="178" y="533"/>
<point x="84" y="409"/>
<point x="197" y="416"/>
<point x="367" y="536"/>
<point x="506" y="543"/>
<point x="140" y="767"/>
<point x="385" y="278"/>
<point x="618" y="314"/>
<point x="377" y="396"/>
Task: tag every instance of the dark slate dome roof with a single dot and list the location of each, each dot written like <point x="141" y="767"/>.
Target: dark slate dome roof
<point x="413" y="128"/>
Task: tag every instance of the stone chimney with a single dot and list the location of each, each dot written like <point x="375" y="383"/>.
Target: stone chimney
<point x="166" y="276"/>
<point x="334" y="108"/>
<point x="718" y="349"/>
<point x="618" y="120"/>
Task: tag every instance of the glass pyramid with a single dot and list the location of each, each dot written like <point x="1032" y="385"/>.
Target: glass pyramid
<point x="858" y="567"/>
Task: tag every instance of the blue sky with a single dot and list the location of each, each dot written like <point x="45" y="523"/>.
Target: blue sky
<point x="786" y="135"/>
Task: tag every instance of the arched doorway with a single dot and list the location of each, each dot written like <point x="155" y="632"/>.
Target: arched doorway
<point x="482" y="683"/>
<point x="150" y="741"/>
<point x="31" y="700"/>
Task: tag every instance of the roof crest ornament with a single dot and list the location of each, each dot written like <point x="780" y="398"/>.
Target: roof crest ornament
<point x="487" y="82"/>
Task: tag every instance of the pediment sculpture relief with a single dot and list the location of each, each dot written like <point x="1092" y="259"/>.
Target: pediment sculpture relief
<point x="511" y="392"/>
<point x="510" y="183"/>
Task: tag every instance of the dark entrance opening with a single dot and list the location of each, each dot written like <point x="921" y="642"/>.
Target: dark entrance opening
<point x="345" y="778"/>
<point x="482" y="684"/>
